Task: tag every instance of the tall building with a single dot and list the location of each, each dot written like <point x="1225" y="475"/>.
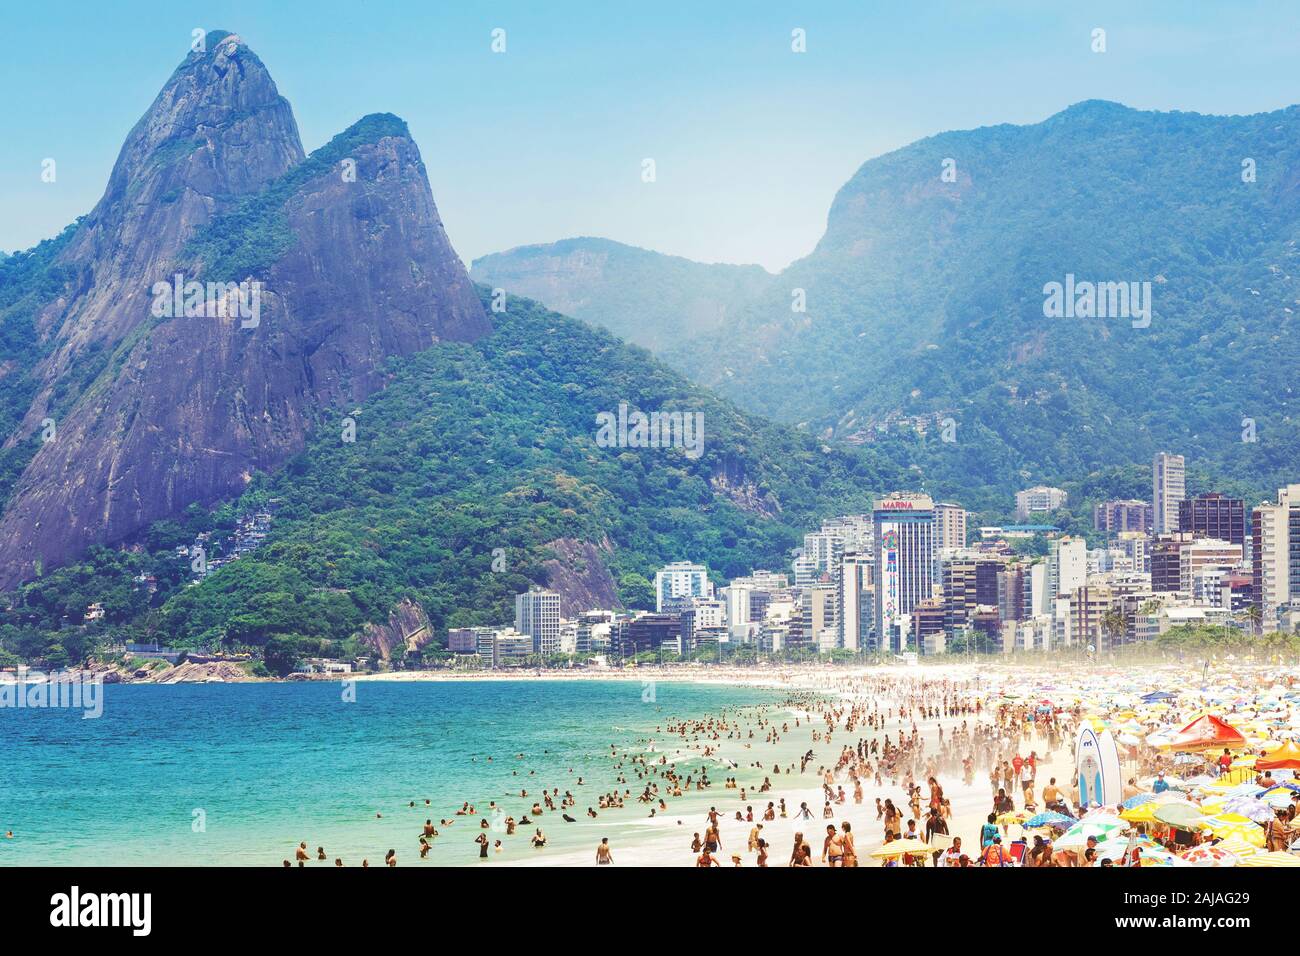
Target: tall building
<point x="904" y="533"/>
<point x="805" y="570"/>
<point x="1203" y="553"/>
<point x="1117" y="516"/>
<point x="855" y="598"/>
<point x="647" y="632"/>
<point x="1275" y="556"/>
<point x="818" y="609"/>
<point x="741" y="627"/>
<point x="1038" y="500"/>
<point x="1089" y="606"/>
<point x="593" y="631"/>
<point x="949" y="526"/>
<point x="824" y="549"/>
<point x="704" y="622"/>
<point x="678" y="583"/>
<point x="853" y="530"/>
<point x="1166" y="562"/>
<point x="1067" y="568"/>
<point x="1168" y="489"/>
<point x="1214" y="515"/>
<point x="959" y="589"/>
<point x="537" y="614"/>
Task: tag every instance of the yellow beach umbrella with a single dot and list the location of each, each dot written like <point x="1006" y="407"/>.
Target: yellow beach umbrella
<point x="899" y="847"/>
<point x="1253" y="837"/>
<point x="1271" y="859"/>
<point x="1143" y="813"/>
<point x="1239" y="847"/>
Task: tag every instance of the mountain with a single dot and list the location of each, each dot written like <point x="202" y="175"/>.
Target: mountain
<point x="416" y="463"/>
<point x="664" y="303"/>
<point x="132" y="416"/>
<point x="925" y="301"/>
<point x="478" y="470"/>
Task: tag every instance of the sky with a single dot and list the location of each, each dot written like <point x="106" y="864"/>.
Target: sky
<point x="545" y="141"/>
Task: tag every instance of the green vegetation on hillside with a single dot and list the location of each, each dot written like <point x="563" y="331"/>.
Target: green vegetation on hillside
<point x="476" y="447"/>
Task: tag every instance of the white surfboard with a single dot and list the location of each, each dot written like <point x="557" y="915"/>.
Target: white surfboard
<point x="1096" y="761"/>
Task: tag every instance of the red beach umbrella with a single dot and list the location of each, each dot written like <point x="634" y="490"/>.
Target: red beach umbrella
<point x="1207" y="733"/>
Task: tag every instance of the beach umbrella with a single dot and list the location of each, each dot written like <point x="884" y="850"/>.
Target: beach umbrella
<point x="1076" y="838"/>
<point x="1183" y="816"/>
<point x="1276" y="858"/>
<point x="1250" y="833"/>
<point x="1146" y="813"/>
<point x="1209" y="855"/>
<point x="1012" y="816"/>
<point x="1286" y="757"/>
<point x="1207" y="732"/>
<point x="899" y="848"/>
<point x="1250" y="808"/>
<point x="1049" y="818"/>
<point x="1238" y="847"/>
<point x="1137" y="801"/>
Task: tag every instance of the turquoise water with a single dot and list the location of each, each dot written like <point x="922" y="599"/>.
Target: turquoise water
<point x="205" y="774"/>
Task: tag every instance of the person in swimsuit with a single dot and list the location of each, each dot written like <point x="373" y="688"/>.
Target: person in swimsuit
<point x="832" y="849"/>
<point x="603" y="854"/>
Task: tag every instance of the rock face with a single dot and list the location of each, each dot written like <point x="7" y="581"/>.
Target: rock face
<point x="357" y="268"/>
<point x="407" y="626"/>
<point x="579" y="574"/>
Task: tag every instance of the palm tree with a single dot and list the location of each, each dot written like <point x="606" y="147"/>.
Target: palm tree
<point x="1113" y="625"/>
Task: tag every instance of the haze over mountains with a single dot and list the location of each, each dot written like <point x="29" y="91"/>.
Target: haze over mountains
<point x="925" y="301"/>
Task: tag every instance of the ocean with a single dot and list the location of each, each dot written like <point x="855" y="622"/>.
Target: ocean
<point x="238" y="774"/>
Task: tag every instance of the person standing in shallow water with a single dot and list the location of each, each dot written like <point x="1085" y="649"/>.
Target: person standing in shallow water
<point x="482" y="842"/>
<point x="603" y="854"/>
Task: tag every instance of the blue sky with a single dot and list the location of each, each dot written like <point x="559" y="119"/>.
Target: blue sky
<point x="750" y="140"/>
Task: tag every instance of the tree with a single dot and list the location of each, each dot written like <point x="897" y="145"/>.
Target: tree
<point x="636" y="592"/>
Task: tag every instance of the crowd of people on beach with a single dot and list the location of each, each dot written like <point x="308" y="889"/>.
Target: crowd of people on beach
<point x="899" y="745"/>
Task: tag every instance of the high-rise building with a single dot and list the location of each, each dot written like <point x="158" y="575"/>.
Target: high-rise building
<point x="949" y="526"/>
<point x="593" y="631"/>
<point x="1275" y="556"/>
<point x="537" y="614"/>
<point x="818" y="608"/>
<point x="1168" y="489"/>
<point x="824" y="549"/>
<point x="1127" y="514"/>
<point x="1214" y="515"/>
<point x="647" y="632"/>
<point x="678" y="583"/>
<point x="1038" y="500"/>
<point x="958" y="580"/>
<point x="853" y="530"/>
<point x="854" y="595"/>
<point x="904" y="533"/>
<point x="704" y="622"/>
<point x="806" y="572"/>
<point x="1166" y="563"/>
<point x="740" y="626"/>
<point x="1202" y="553"/>
<point x="1089" y="606"/>
<point x="1067" y="568"/>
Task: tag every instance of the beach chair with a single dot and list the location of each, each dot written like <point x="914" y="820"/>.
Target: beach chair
<point x="1017" y="853"/>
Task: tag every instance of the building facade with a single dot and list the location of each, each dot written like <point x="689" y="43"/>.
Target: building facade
<point x="1168" y="489"/>
<point x="904" y="562"/>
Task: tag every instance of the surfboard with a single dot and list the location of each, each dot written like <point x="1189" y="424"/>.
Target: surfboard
<point x="1097" y="768"/>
